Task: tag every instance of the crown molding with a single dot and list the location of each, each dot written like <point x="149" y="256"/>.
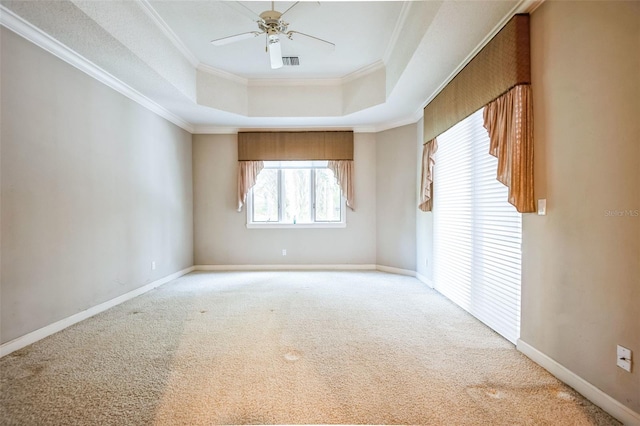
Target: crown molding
<point x="523" y="6"/>
<point x="280" y="82"/>
<point x="215" y="130"/>
<point x="222" y="74"/>
<point x="168" y="32"/>
<point x="369" y="69"/>
<point x="15" y="23"/>
<point x="221" y="130"/>
<point x="395" y="35"/>
<point x="411" y="119"/>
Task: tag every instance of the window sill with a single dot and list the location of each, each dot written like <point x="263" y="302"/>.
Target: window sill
<point x="296" y="225"/>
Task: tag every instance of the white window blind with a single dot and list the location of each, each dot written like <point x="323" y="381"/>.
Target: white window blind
<point x="477" y="233"/>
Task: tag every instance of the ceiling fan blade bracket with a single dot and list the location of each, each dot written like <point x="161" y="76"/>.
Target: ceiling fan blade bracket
<point x="290" y="36"/>
<point x="234" y="38"/>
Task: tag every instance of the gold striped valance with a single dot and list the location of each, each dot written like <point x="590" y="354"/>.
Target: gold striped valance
<point x="296" y="146"/>
<point x="501" y="65"/>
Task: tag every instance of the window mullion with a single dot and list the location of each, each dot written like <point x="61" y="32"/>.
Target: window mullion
<point x="312" y="192"/>
<point x="280" y="195"/>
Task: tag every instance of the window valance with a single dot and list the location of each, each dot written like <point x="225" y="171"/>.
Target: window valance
<point x="501" y="65"/>
<point x="256" y="147"/>
<point x="295" y="146"/>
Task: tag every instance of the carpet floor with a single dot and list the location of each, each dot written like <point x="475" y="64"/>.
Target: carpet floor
<point x="284" y="348"/>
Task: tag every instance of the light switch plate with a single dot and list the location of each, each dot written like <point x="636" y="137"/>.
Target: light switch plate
<point x="542" y="207"/>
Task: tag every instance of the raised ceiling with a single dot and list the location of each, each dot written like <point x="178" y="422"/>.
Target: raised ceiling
<point x="390" y="57"/>
<point x="360" y="30"/>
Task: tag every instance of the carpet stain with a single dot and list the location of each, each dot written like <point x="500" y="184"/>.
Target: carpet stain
<point x="495" y="393"/>
<point x="293" y="355"/>
<point x="36" y="369"/>
<point x="203" y="312"/>
<point x="564" y="395"/>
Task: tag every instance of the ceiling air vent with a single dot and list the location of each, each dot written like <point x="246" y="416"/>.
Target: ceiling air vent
<point x="291" y="61"/>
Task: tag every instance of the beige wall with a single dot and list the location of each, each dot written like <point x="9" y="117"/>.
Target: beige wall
<point x="581" y="266"/>
<point x="94" y="188"/>
<point x="424" y="220"/>
<point x="221" y="235"/>
<point x="396" y="197"/>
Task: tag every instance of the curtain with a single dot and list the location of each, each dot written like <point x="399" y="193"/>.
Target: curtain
<point x="247" y="174"/>
<point x="426" y="181"/>
<point x="509" y="121"/>
<point x="343" y="172"/>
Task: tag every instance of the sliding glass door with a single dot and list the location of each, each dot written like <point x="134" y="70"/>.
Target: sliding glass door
<point x="477" y="233"/>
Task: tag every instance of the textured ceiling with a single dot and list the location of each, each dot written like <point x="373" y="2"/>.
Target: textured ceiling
<point x="390" y="57"/>
<point x="360" y="30"/>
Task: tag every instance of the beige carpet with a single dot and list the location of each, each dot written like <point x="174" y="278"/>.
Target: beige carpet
<point x="284" y="348"/>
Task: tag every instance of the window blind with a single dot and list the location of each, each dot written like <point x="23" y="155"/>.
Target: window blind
<point x="477" y="233"/>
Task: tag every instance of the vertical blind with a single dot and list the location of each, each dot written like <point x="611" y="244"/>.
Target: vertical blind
<point x="477" y="233"/>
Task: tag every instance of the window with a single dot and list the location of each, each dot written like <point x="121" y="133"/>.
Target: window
<point x="295" y="194"/>
<point x="477" y="233"/>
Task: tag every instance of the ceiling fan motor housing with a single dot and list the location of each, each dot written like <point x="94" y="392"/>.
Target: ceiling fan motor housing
<point x="271" y="23"/>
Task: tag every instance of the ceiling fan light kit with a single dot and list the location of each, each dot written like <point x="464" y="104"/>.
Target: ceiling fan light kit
<point x="275" y="53"/>
<point x="270" y="22"/>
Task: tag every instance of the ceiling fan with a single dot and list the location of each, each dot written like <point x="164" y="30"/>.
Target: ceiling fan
<point x="270" y="23"/>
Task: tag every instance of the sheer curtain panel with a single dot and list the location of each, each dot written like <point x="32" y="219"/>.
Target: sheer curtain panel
<point x="426" y="182"/>
<point x="247" y="174"/>
<point x="343" y="172"/>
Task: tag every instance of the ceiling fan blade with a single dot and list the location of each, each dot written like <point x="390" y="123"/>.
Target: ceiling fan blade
<point x="244" y="10"/>
<point x="232" y="39"/>
<point x="275" y="54"/>
<point x="306" y="38"/>
<point x="299" y="8"/>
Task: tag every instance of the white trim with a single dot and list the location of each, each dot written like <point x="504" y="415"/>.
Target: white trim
<point x="397" y="271"/>
<point x="164" y="27"/>
<point x="286" y="82"/>
<point x="278" y="225"/>
<point x="412" y="119"/>
<point x="424" y="280"/>
<point x="320" y="267"/>
<point x="41" y="333"/>
<point x="533" y="5"/>
<point x="523" y="6"/>
<point x="215" y="130"/>
<point x="220" y="130"/>
<point x="36" y="36"/>
<point x="592" y="393"/>
<point x="364" y="71"/>
<point x="222" y="74"/>
<point x="395" y="35"/>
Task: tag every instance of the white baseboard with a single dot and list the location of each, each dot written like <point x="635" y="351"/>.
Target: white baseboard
<point x="34" y="336"/>
<point x="424" y="280"/>
<point x="307" y="267"/>
<point x="339" y="267"/>
<point x="592" y="393"/>
<point x="392" y="270"/>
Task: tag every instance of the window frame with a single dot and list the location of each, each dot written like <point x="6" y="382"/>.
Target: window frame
<point x="312" y="166"/>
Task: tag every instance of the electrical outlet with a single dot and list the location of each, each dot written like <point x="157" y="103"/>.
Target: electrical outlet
<point x="153" y="265"/>
<point x="624" y="358"/>
<point x="284" y="252"/>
